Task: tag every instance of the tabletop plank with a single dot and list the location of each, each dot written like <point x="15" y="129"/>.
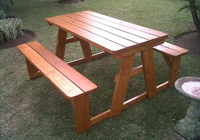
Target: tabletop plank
<point x="99" y="32"/>
<point x="119" y="26"/>
<point x="109" y="29"/>
<point x="128" y="24"/>
<point x="96" y="40"/>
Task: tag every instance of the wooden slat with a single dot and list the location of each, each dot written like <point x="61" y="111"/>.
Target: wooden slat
<point x="109" y="29"/>
<point x="103" y="43"/>
<point x="78" y="79"/>
<point x="66" y="87"/>
<point x="124" y="23"/>
<point x="99" y="32"/>
<point x="118" y="26"/>
<point x="175" y="48"/>
<point x="166" y="51"/>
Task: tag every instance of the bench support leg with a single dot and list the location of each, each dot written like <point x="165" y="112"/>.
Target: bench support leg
<point x="174" y="70"/>
<point x="82" y="113"/>
<point x="33" y="72"/>
<point x="60" y="44"/>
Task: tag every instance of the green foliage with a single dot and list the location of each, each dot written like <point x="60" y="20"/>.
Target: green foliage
<point x="2" y="14"/>
<point x="10" y="28"/>
<point x="194" y="7"/>
<point x="3" y="4"/>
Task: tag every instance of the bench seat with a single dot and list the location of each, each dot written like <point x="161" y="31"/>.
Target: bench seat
<point x="172" y="55"/>
<point x="73" y="85"/>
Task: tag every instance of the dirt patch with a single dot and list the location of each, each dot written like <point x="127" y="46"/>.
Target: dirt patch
<point x="68" y="1"/>
<point x="190" y="41"/>
<point x="27" y="35"/>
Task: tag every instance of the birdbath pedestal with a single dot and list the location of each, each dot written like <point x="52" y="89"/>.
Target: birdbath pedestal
<point x="189" y="127"/>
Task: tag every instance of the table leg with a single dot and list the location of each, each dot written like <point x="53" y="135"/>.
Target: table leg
<point x="86" y="49"/>
<point x="60" y="44"/>
<point x="149" y="72"/>
<point x="121" y="85"/>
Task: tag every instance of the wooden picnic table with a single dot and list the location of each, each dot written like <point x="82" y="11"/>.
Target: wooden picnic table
<point x="119" y="38"/>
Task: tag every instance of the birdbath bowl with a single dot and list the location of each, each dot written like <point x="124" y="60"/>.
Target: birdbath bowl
<point x="189" y="127"/>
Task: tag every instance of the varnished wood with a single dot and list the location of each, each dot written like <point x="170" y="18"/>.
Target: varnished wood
<point x="79" y="80"/>
<point x="82" y="60"/>
<point x="121" y="85"/>
<point x="109" y="29"/>
<point x="32" y="71"/>
<point x="127" y="24"/>
<point x="118" y="26"/>
<point x="172" y="55"/>
<point x="136" y="70"/>
<point x="162" y="86"/>
<point x="149" y="72"/>
<point x="100" y="117"/>
<point x="134" y="100"/>
<point x="68" y="81"/>
<point x="94" y="39"/>
<point x="121" y="39"/>
<point x="68" y="89"/>
<point x="174" y="70"/>
<point x="99" y="32"/>
<point x="60" y="44"/>
<point x="86" y="48"/>
<point x="82" y="113"/>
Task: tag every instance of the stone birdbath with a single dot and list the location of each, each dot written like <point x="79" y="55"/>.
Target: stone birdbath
<point x="189" y="127"/>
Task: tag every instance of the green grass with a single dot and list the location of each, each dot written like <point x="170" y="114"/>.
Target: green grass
<point x="34" y="109"/>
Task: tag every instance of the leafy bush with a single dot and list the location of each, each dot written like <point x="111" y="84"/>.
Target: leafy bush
<point x="2" y="14"/>
<point x="3" y="4"/>
<point x="194" y="7"/>
<point x="10" y="28"/>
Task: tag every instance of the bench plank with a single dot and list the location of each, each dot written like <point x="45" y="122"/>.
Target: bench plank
<point x="66" y="87"/>
<point x="78" y="79"/>
<point x="170" y="50"/>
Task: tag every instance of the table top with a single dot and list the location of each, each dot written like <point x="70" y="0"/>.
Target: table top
<point x="109" y="34"/>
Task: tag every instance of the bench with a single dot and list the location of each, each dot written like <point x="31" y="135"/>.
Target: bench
<point x="172" y="55"/>
<point x="74" y="86"/>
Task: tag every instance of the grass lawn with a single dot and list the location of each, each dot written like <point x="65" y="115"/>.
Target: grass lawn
<point x="34" y="109"/>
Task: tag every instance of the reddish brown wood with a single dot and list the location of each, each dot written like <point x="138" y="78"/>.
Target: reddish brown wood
<point x="99" y="32"/>
<point x="86" y="49"/>
<point x="134" y="100"/>
<point x="109" y="29"/>
<point x="68" y="89"/>
<point x="121" y="85"/>
<point x="118" y="26"/>
<point x="100" y="117"/>
<point x="149" y="72"/>
<point x="127" y="24"/>
<point x="82" y="113"/>
<point x="174" y="70"/>
<point x="60" y="44"/>
<point x="33" y="72"/>
<point x="82" y="60"/>
<point x="79" y="80"/>
<point x="94" y="39"/>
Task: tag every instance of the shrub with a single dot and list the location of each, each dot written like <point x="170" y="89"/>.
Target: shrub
<point x="10" y="28"/>
<point x="3" y="4"/>
<point x="2" y="14"/>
